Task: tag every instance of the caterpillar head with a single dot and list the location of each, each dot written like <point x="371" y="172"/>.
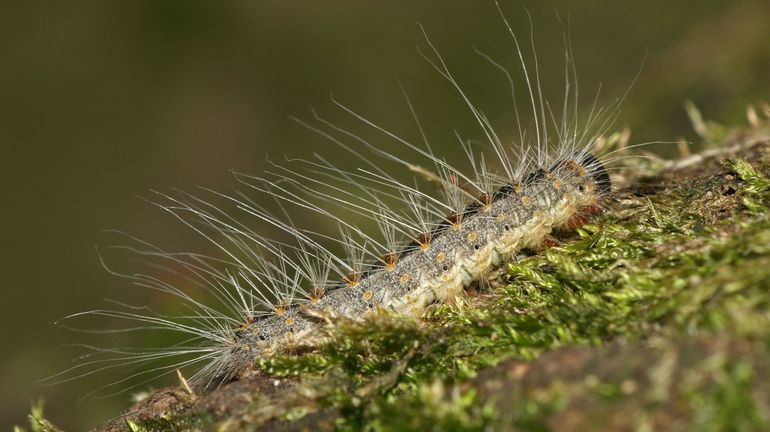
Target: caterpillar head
<point x="586" y="179"/>
<point x="596" y="173"/>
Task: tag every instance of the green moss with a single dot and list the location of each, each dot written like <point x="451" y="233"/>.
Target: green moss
<point x="720" y="396"/>
<point x="171" y="423"/>
<point x="37" y="421"/>
<point x="431" y="406"/>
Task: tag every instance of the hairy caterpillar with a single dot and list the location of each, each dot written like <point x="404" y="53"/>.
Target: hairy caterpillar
<point x="274" y="294"/>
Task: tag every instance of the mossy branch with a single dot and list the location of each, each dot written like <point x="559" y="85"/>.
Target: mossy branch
<point x="656" y="315"/>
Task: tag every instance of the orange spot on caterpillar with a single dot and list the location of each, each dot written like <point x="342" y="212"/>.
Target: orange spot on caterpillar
<point x="485" y="200"/>
<point x="501" y="217"/>
<point x="440" y="257"/>
<point x="557" y="184"/>
<point x="352" y="279"/>
<point x="424" y="241"/>
<point x="249" y="321"/>
<point x="290" y="322"/>
<point x="525" y="200"/>
<point x="316" y="295"/>
<point x="368" y="294"/>
<point x="404" y="278"/>
<point x="389" y="260"/>
<point x="575" y="166"/>
<point x="518" y="188"/>
<point x="281" y="307"/>
<point x="455" y="220"/>
<point x="472" y="236"/>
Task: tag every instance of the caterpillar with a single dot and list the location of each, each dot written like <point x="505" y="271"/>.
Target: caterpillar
<point x="438" y="232"/>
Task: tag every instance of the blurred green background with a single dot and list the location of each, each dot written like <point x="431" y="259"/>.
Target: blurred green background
<point x="102" y="101"/>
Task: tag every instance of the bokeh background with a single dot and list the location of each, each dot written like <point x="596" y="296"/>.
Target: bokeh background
<point x="102" y="101"/>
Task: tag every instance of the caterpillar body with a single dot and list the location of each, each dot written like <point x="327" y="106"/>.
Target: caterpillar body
<point x="273" y="294"/>
<point x="438" y="264"/>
